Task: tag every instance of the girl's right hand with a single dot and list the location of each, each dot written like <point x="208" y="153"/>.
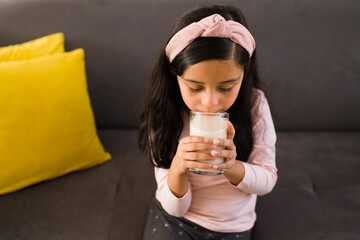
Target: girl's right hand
<point x="187" y="154"/>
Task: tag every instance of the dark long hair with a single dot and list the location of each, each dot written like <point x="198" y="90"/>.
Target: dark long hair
<point x="163" y="108"/>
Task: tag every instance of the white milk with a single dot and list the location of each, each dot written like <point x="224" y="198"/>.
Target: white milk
<point x="211" y="126"/>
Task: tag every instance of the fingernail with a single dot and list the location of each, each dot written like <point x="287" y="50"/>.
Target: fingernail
<point x="213" y="147"/>
<point x="214" y="153"/>
<point x="209" y="166"/>
<point x="206" y="140"/>
<point x="216" y="166"/>
<point x="216" y="141"/>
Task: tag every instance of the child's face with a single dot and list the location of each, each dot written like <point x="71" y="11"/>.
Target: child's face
<point x="211" y="86"/>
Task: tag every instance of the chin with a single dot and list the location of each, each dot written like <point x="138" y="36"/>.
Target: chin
<point x="209" y="111"/>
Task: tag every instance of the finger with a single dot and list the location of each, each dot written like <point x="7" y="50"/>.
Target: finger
<point x="195" y="139"/>
<point x="191" y="147"/>
<point x="226" y="154"/>
<point x="230" y="130"/>
<point x="227" y="143"/>
<point x="198" y="156"/>
<point x="223" y="166"/>
<point x="201" y="165"/>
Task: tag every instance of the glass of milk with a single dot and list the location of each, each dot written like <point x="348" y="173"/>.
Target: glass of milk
<point x="211" y="126"/>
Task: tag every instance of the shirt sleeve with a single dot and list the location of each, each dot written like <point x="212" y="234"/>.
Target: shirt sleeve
<point x="172" y="205"/>
<point x="260" y="169"/>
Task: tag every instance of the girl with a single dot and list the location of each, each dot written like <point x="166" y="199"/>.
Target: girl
<point x="208" y="64"/>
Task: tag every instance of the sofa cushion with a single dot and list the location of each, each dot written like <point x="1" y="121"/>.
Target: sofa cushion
<point x="46" y="122"/>
<point x="317" y="193"/>
<point x="109" y="201"/>
<point x="307" y="50"/>
<point x="47" y="45"/>
<point x="115" y="196"/>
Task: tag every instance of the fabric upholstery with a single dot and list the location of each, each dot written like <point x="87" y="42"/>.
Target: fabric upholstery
<point x="110" y="201"/>
<point x="308" y="52"/>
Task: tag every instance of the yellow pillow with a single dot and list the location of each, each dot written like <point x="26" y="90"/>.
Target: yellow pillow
<point x="50" y="44"/>
<point x="47" y="126"/>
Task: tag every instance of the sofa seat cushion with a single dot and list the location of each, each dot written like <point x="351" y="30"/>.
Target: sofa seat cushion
<point x="111" y="200"/>
<point x="108" y="201"/>
<point x="318" y="190"/>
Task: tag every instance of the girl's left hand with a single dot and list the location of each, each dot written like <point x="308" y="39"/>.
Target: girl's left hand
<point x="229" y="153"/>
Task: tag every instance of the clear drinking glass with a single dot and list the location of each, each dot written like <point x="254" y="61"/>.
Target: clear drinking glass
<point x="211" y="126"/>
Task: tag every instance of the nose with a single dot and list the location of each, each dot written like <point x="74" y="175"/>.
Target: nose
<point x="210" y="100"/>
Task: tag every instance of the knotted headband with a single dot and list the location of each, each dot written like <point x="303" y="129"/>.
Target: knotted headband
<point x="211" y="26"/>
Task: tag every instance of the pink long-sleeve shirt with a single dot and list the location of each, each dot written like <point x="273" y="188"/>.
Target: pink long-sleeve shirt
<point x="212" y="201"/>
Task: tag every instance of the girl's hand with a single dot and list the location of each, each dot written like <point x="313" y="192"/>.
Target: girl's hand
<point x="187" y="156"/>
<point x="229" y="153"/>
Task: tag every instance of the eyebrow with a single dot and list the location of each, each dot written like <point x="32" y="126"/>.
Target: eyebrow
<point x="227" y="81"/>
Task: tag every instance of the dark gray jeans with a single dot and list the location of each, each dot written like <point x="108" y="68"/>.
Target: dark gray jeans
<point x="162" y="226"/>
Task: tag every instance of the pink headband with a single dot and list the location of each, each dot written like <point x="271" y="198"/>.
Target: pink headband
<point x="211" y="26"/>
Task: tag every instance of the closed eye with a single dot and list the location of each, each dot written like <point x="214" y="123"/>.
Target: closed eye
<point x="195" y="89"/>
<point x="221" y="89"/>
<point x="226" y="89"/>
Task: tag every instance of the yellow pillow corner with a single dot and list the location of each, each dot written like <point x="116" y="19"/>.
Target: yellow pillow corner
<point x="46" y="45"/>
<point x="47" y="126"/>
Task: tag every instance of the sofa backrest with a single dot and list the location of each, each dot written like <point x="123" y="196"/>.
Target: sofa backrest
<point x="309" y="54"/>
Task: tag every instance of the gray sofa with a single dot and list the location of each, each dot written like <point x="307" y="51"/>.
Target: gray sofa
<point x="309" y="62"/>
